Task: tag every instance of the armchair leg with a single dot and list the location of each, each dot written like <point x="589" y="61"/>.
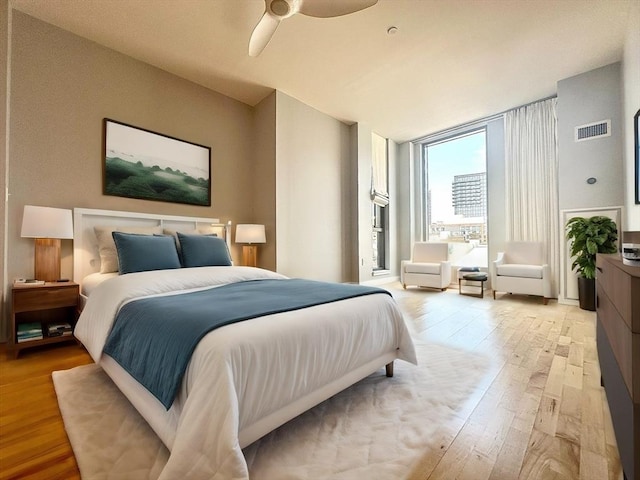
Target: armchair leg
<point x="494" y="294"/>
<point x="545" y="300"/>
<point x="404" y="286"/>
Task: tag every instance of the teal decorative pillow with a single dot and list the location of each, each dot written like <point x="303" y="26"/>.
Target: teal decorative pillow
<point x="203" y="251"/>
<point x="140" y="253"/>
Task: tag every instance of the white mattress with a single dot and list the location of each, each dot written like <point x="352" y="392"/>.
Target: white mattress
<point x="247" y="378"/>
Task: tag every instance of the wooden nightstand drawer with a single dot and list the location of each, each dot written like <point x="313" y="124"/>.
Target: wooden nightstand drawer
<point x="36" y="298"/>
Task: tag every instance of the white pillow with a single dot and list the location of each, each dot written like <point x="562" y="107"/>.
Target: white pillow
<point x="107" y="247"/>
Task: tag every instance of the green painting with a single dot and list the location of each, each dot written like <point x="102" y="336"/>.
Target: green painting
<point x="147" y="165"/>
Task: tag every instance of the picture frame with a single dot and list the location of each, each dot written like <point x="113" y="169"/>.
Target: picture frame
<point x="636" y="146"/>
<point x="142" y="164"/>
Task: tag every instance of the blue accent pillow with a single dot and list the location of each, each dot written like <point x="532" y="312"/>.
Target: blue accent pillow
<point x="203" y="251"/>
<point x="140" y="253"/>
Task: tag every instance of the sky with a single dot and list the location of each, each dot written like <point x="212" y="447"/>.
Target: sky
<point x="458" y="156"/>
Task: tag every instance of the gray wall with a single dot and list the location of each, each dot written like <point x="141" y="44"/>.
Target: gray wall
<point x="586" y="98"/>
<point x="631" y="102"/>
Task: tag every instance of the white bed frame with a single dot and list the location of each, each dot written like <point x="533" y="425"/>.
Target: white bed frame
<point x="86" y="259"/>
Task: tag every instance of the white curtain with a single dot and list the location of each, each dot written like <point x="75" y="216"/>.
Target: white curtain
<point x="379" y="187"/>
<point x="532" y="179"/>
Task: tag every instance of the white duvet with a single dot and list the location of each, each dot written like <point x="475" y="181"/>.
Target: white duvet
<point x="250" y="377"/>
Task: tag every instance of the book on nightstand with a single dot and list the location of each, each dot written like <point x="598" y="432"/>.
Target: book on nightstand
<point x="28" y="332"/>
<point x="58" y="329"/>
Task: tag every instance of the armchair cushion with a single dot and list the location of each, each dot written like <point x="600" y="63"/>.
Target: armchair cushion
<point x="521" y="271"/>
<point x="430" y="268"/>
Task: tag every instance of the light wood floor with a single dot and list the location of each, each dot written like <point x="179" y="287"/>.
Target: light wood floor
<point x="539" y="414"/>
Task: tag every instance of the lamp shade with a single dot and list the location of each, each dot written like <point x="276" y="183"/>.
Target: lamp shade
<point x="46" y="222"/>
<point x="250" y="233"/>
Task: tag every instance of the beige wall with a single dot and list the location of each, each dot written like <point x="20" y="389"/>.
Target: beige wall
<point x="4" y="32"/>
<point x="312" y="193"/>
<point x="631" y="104"/>
<point x="62" y="86"/>
<point x="263" y="175"/>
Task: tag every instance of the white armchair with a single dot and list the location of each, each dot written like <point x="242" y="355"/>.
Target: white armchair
<point x="429" y="266"/>
<point x="521" y="269"/>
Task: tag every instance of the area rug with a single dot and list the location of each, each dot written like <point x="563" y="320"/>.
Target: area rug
<point x="379" y="428"/>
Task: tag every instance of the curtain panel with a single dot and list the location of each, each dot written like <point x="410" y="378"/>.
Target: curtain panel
<point x="532" y="179"/>
<point x="379" y="185"/>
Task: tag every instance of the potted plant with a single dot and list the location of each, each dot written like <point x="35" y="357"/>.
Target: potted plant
<point x="589" y="236"/>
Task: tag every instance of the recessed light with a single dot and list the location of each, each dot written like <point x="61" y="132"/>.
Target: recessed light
<point x="392" y="30"/>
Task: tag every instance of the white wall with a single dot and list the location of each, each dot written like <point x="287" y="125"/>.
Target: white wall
<point x="312" y="193"/>
<point x="631" y="104"/>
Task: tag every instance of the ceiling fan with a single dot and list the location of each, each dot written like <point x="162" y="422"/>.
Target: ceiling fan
<point x="277" y="10"/>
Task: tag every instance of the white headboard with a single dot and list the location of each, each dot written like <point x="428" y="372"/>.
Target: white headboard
<point x="86" y="259"/>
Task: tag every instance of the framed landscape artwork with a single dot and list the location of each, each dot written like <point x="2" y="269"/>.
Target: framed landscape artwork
<point x="139" y="163"/>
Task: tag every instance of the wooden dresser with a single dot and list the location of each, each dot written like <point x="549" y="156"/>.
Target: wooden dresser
<point x="618" y="340"/>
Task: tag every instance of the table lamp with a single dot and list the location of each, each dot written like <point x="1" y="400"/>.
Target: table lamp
<point x="250" y="234"/>
<point x="47" y="225"/>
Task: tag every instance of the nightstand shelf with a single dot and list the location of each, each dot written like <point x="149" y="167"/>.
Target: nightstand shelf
<point x="43" y="305"/>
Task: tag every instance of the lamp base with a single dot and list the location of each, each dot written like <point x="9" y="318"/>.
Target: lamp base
<point x="250" y="255"/>
<point x="47" y="259"/>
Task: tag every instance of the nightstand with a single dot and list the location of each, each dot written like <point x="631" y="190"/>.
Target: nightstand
<point x="42" y="308"/>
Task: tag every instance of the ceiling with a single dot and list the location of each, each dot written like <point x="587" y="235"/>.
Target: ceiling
<point x="450" y="62"/>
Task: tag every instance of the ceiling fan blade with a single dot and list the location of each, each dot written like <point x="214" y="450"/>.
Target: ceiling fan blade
<point x="263" y="32"/>
<point x="333" y="8"/>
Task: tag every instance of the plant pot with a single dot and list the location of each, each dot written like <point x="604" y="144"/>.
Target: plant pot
<point x="587" y="293"/>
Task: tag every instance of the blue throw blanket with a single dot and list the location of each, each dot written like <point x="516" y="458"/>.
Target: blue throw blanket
<point x="153" y="338"/>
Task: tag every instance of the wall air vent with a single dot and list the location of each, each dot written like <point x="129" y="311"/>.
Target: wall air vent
<point x="593" y="130"/>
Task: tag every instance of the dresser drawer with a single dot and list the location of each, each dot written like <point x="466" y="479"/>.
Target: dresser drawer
<point x="29" y="299"/>
<point x="619" y="337"/>
<point x="620" y="287"/>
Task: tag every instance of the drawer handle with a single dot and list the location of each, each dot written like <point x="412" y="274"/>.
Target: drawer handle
<point x="600" y="269"/>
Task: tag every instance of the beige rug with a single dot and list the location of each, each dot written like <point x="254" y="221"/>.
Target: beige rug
<point x="378" y="428"/>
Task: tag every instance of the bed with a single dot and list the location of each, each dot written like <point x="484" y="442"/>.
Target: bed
<point x="244" y="379"/>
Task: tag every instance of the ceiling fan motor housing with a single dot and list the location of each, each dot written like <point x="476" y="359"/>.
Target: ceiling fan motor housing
<point x="284" y="8"/>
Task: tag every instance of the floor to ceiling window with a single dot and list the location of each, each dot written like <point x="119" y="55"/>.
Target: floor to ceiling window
<point x="455" y="196"/>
